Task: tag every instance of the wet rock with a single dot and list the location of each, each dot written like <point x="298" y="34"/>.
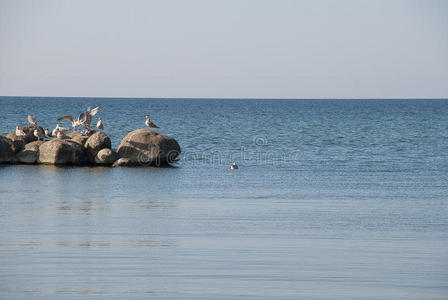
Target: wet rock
<point x="30" y="153"/>
<point x="6" y="150"/>
<point x="106" y="157"/>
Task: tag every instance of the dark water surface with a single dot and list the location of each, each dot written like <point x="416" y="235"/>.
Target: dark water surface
<point x="334" y="199"/>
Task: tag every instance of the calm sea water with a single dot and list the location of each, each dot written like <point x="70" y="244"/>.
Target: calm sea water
<point x="334" y="199"/>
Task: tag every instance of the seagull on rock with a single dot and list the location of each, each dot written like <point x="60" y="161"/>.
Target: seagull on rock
<point x="99" y="125"/>
<point x="37" y="133"/>
<point x="48" y="132"/>
<point x="32" y="120"/>
<point x="60" y="135"/>
<point x="75" y="123"/>
<point x="149" y="123"/>
<point x="61" y="129"/>
<point x="20" y="132"/>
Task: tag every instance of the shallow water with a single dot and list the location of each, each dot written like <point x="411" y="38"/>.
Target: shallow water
<point x="334" y="199"/>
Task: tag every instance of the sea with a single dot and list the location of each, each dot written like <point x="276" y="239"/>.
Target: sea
<point x="333" y="199"/>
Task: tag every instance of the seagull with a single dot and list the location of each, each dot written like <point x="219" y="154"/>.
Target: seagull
<point x="48" y="132"/>
<point x="234" y="166"/>
<point x="94" y="111"/>
<point x="149" y="123"/>
<point x="32" y="120"/>
<point x="37" y="133"/>
<point x="99" y="125"/>
<point x="61" y="129"/>
<point x="55" y="131"/>
<point x="89" y="114"/>
<point x="75" y="123"/>
<point x="61" y="135"/>
<point x="20" y="132"/>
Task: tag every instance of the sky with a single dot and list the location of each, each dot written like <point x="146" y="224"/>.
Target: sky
<point x="224" y="49"/>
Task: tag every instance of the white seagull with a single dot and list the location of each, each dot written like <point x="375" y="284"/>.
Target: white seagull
<point x="75" y="123"/>
<point x="88" y="116"/>
<point x="37" y="133"/>
<point x="99" y="125"/>
<point x="55" y="131"/>
<point x="149" y="123"/>
<point x="20" y="132"/>
<point x="61" y="135"/>
<point x="61" y="129"/>
<point x="48" y="132"/>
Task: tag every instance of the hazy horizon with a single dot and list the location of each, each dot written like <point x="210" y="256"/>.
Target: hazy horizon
<point x="225" y="50"/>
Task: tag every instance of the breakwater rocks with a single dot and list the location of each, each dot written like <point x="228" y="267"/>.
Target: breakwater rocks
<point x="141" y="147"/>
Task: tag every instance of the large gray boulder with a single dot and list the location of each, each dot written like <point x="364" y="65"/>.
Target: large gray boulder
<point x="62" y="152"/>
<point x="148" y="148"/>
<point x="30" y="153"/>
<point x="95" y="143"/>
<point x="78" y="137"/>
<point x="29" y="134"/>
<point x="106" y="156"/>
<point x="6" y="150"/>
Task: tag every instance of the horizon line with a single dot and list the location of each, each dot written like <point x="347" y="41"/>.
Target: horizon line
<point x="226" y="98"/>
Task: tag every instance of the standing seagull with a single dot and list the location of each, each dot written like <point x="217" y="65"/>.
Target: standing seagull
<point x="149" y="123"/>
<point x="20" y="132"/>
<point x="61" y="135"/>
<point x="48" y="132"/>
<point x="61" y="129"/>
<point x="32" y="120"/>
<point x="99" y="125"/>
<point x="37" y="133"/>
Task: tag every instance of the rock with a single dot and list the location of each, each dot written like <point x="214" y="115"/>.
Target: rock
<point x="17" y="145"/>
<point x="30" y="153"/>
<point x="29" y="131"/>
<point x="123" y="162"/>
<point x="95" y="143"/>
<point x="148" y="148"/>
<point x="6" y="150"/>
<point x="106" y="157"/>
<point x="80" y="139"/>
<point x="62" y="152"/>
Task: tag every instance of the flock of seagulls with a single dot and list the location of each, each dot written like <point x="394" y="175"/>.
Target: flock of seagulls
<point x="83" y="120"/>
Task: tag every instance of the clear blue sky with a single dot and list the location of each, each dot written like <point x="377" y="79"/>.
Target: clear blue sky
<point x="226" y="48"/>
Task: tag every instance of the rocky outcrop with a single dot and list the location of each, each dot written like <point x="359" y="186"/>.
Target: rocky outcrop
<point x="148" y="148"/>
<point x="95" y="143"/>
<point x="6" y="150"/>
<point x="30" y="153"/>
<point x="106" y="157"/>
<point x="62" y="152"/>
<point x="140" y="147"/>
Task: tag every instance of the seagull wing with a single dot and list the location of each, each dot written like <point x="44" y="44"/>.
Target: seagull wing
<point x="70" y="118"/>
<point x="94" y="111"/>
<point x="152" y="125"/>
<point x="81" y="117"/>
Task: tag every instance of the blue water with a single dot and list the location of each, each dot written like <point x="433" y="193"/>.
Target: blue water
<point x="334" y="199"/>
